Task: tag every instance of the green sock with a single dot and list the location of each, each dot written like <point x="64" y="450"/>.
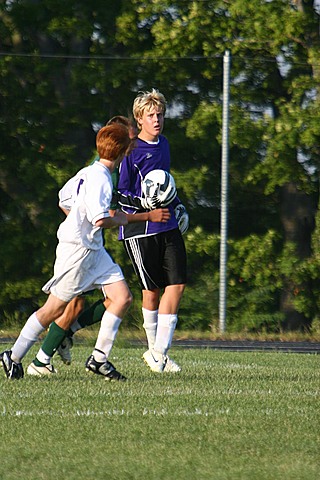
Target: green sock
<point x="89" y="316"/>
<point x="92" y="314"/>
<point x="53" y="339"/>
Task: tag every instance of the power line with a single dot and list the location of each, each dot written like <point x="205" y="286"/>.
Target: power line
<point x="106" y="57"/>
<point x="194" y="58"/>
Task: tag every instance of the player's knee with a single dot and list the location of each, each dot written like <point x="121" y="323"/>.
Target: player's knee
<point x="127" y="300"/>
<point x="180" y="289"/>
<point x="124" y="301"/>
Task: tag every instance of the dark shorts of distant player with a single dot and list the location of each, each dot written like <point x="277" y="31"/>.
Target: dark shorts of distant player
<point x="158" y="260"/>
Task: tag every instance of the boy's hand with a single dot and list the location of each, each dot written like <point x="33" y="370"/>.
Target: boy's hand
<point x="159" y="215"/>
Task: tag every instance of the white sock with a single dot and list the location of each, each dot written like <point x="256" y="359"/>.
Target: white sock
<point x="99" y="356"/>
<point x="43" y="357"/>
<point x="150" y="323"/>
<point x="166" y="327"/>
<point x="108" y="331"/>
<point x="28" y="336"/>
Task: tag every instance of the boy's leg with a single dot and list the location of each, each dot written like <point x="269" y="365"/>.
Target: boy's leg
<point x="50" y="344"/>
<point x="166" y="327"/>
<point x="150" y="304"/>
<point x="119" y="300"/>
<point x="150" y="322"/>
<point x="107" y="334"/>
<point x="157" y="358"/>
<point x="63" y="344"/>
<point x="71" y="313"/>
<point x="98" y="361"/>
<point x="89" y="316"/>
<point x="36" y="324"/>
<point x="58" y="331"/>
<point x="27" y="338"/>
<point x="144" y="255"/>
<point x="11" y="359"/>
<point x="168" y="317"/>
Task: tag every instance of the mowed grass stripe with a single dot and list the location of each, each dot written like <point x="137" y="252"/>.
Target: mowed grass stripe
<point x="227" y="415"/>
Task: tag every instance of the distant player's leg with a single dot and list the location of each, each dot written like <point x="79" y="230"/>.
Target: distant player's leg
<point x="89" y="316"/>
<point x="57" y="342"/>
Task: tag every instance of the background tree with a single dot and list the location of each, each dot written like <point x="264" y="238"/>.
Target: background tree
<point x="274" y="135"/>
<point x="54" y="95"/>
<point x="66" y="67"/>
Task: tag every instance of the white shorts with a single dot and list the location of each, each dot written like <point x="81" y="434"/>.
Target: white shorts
<point x="78" y="270"/>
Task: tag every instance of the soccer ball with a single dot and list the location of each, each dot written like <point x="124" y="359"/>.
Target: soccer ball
<point x="159" y="185"/>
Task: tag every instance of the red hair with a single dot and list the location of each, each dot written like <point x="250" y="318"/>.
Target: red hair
<point x="113" y="141"/>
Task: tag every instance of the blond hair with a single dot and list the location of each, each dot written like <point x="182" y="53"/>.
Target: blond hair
<point x="148" y="100"/>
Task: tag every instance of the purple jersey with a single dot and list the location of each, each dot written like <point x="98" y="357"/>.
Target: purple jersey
<point x="144" y="158"/>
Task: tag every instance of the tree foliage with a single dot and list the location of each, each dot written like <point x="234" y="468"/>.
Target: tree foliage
<point x="66" y="67"/>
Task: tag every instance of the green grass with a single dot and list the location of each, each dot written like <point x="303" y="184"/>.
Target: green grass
<point x="226" y="416"/>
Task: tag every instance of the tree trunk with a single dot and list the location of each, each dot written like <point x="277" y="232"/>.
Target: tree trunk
<point x="298" y="219"/>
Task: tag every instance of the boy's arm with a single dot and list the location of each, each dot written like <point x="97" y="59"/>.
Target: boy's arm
<point x="158" y="215"/>
<point x="117" y="219"/>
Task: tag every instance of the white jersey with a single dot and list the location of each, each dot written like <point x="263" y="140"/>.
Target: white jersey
<point x="82" y="263"/>
<point x="68" y="192"/>
<point x="88" y="196"/>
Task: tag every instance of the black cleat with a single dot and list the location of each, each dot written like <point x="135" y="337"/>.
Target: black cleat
<point x="104" y="368"/>
<point x="12" y="369"/>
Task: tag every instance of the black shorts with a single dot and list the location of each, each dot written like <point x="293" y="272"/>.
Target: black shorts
<point x="159" y="260"/>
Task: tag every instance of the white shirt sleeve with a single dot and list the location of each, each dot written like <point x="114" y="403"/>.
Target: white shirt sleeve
<point x="68" y="193"/>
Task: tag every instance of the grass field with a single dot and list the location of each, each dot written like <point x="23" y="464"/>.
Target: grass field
<point x="226" y="416"/>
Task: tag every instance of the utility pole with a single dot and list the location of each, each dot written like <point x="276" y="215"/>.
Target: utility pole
<point x="224" y="193"/>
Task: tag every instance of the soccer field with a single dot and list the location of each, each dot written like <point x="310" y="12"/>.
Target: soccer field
<point x="226" y="416"/>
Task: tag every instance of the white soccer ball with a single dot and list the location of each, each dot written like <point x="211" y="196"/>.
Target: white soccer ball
<point x="160" y="185"/>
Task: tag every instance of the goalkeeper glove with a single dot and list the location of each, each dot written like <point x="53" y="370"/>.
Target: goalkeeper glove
<point x="182" y="218"/>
